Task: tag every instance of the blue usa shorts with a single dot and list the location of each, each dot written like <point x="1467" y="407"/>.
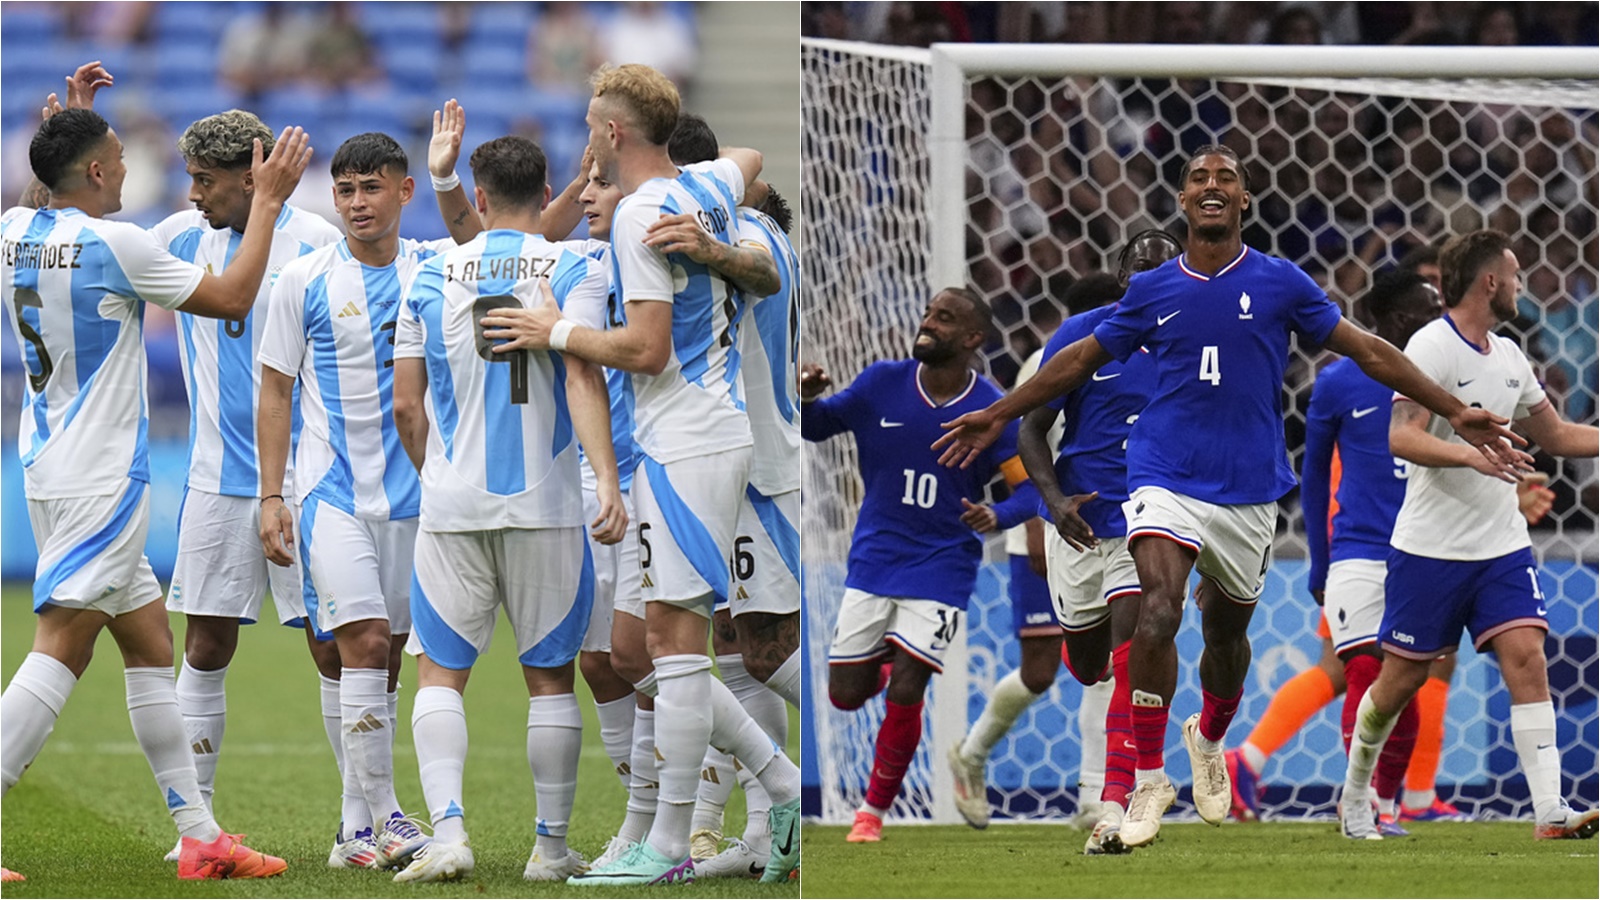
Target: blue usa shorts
<point x="1031" y="610"/>
<point x="1428" y="601"/>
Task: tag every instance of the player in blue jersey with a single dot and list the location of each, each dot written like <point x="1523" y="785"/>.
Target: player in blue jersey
<point x="74" y="284"/>
<point x="1460" y="553"/>
<point x="914" y="554"/>
<point x="1206" y="459"/>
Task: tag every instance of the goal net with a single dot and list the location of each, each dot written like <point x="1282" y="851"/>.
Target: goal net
<point x="1015" y="168"/>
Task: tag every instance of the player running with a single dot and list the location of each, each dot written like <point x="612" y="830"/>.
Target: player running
<point x="1461" y="554"/>
<point x="1206" y="460"/>
<point x="73" y="283"/>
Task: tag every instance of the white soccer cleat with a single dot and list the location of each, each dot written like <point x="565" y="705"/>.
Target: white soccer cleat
<point x="1569" y="824"/>
<point x="359" y="852"/>
<point x="1089" y="812"/>
<point x="1213" y="794"/>
<point x="1358" y="817"/>
<point x="616" y="848"/>
<point x="704" y="844"/>
<point x="1149" y="801"/>
<point x="400" y="840"/>
<point x="1106" y="837"/>
<point x="438" y="862"/>
<point x="541" y="869"/>
<point x="740" y="860"/>
<point x="175" y="852"/>
<point x="972" y="793"/>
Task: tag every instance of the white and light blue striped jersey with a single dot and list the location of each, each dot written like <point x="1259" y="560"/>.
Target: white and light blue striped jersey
<point x="769" y="342"/>
<point x="502" y="452"/>
<point x="693" y="407"/>
<point x="619" y="384"/>
<point x="220" y="367"/>
<point x="73" y="287"/>
<point x="331" y="324"/>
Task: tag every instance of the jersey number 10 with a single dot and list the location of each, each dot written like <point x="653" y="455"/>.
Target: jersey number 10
<point x="921" y="490"/>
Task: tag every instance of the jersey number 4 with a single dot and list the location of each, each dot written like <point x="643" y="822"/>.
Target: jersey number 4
<point x="1210" y="365"/>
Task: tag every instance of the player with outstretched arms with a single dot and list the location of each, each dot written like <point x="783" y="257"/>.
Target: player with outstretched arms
<point x="1206" y="459"/>
<point x="1461" y="556"/>
<point x="73" y="283"/>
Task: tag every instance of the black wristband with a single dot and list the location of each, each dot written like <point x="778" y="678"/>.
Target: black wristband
<point x="271" y="497"/>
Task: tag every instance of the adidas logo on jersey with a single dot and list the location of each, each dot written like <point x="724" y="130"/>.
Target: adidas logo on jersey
<point x="350" y="309"/>
<point x="1244" y="307"/>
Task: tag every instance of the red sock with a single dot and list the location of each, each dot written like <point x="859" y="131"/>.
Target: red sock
<point x="1216" y="713"/>
<point x="897" y="744"/>
<point x="1119" y="733"/>
<point x="1359" y="674"/>
<point x="1149" y="733"/>
<point x="1396" y="755"/>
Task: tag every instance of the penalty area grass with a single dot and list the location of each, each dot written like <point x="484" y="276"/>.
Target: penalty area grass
<point x="1267" y="859"/>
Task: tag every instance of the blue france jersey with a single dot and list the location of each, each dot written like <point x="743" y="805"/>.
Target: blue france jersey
<point x="74" y="290"/>
<point x="693" y="407"/>
<point x="331" y="324"/>
<point x="909" y="539"/>
<point x="619" y="384"/>
<point x="1213" y="429"/>
<point x="1350" y="411"/>
<point x="769" y="345"/>
<point x="221" y="366"/>
<point x="501" y="448"/>
<point x="1097" y="418"/>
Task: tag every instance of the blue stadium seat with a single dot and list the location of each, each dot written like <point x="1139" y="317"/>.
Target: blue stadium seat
<point x="181" y="108"/>
<point x="495" y="64"/>
<point x="383" y="21"/>
<point x="184" y="66"/>
<point x="30" y="25"/>
<point x="412" y="72"/>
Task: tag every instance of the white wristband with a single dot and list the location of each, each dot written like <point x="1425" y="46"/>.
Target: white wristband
<point x="445" y="184"/>
<point x="559" y="333"/>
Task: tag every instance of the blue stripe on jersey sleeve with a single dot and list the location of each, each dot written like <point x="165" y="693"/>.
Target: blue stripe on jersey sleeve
<point x="27" y="278"/>
<point x="561" y="434"/>
<point x="401" y="487"/>
<point x="570" y="271"/>
<point x="779" y="529"/>
<point x="93" y="335"/>
<point x="426" y="302"/>
<point x="338" y="485"/>
<point x="186" y="245"/>
<point x="502" y="432"/>
<point x="236" y="416"/>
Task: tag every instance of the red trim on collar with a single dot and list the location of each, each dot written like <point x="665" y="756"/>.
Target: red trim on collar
<point x="1183" y="264"/>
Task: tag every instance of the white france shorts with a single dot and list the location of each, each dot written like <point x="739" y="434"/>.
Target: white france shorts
<point x="221" y="571"/>
<point x="1233" y="543"/>
<point x="1083" y="584"/>
<point x="91" y="552"/>
<point x="1352" y="602"/>
<point x="869" y="626"/>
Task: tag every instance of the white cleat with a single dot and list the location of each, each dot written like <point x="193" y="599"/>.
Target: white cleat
<point x="1089" y="812"/>
<point x="740" y="860"/>
<point x="438" y="862"/>
<point x="360" y="852"/>
<point x="1358" y="818"/>
<point x="1213" y="795"/>
<point x="616" y="848"/>
<point x="400" y="840"/>
<point x="1149" y="801"/>
<point x="704" y="844"/>
<point x="1106" y="837"/>
<point x="541" y="869"/>
<point x="972" y="794"/>
<point x="175" y="852"/>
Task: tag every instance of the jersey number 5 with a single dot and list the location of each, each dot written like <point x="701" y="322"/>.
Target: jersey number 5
<point x="517" y="358"/>
<point x="25" y="297"/>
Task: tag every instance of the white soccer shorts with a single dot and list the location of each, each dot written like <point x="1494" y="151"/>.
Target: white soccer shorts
<point x="357" y="568"/>
<point x="544" y="577"/>
<point x="766" y="555"/>
<point x="91" y="552"/>
<point x="688" y="511"/>
<point x="1082" y="585"/>
<point x="1233" y="543"/>
<point x="221" y="570"/>
<point x="616" y="575"/>
<point x="1353" y="602"/>
<point x="869" y="625"/>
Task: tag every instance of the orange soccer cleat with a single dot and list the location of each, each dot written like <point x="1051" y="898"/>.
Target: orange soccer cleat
<point x="225" y="857"/>
<point x="6" y="875"/>
<point x="868" y="829"/>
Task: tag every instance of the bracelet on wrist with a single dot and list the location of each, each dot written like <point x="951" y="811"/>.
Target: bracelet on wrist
<point x="271" y="497"/>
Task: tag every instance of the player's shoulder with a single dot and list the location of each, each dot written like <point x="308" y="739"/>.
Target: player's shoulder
<point x="307" y="266"/>
<point x="306" y="226"/>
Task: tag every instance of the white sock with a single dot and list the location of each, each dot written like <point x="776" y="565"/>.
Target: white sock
<point x="757" y="809"/>
<point x="368" y="747"/>
<point x="29" y="707"/>
<point x="761" y="702"/>
<point x="1257" y="760"/>
<point x="354" y="816"/>
<point x="1149" y="776"/>
<point x="785" y="682"/>
<point x="1006" y="703"/>
<point x="616" y="734"/>
<point x="1418" y="799"/>
<point x="717" y="779"/>
<point x="644" y="788"/>
<point x="1366" y="744"/>
<point x="204" y="705"/>
<point x="158" y="726"/>
<point x="439" y="731"/>
<point x="1092" y="729"/>
<point x="1533" y="733"/>
<point x="555" y="741"/>
<point x="683" y="729"/>
<point x="392" y="705"/>
<point x="733" y="730"/>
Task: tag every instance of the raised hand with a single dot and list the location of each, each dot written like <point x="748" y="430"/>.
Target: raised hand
<point x="1494" y="438"/>
<point x="967" y="436"/>
<point x="83" y="83"/>
<point x="813" y="381"/>
<point x="277" y="176"/>
<point x="444" y="150"/>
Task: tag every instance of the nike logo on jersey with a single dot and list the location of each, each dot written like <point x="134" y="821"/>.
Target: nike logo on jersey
<point x="1362" y="412"/>
<point x="350" y="309"/>
<point x="1540" y="611"/>
<point x="1162" y="320"/>
<point x="1099" y="377"/>
<point x="885" y="423"/>
<point x="1465" y="383"/>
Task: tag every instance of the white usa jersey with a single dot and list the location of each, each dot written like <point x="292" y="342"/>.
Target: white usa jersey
<point x="693" y="407"/>
<point x="331" y="324"/>
<point x="73" y="288"/>
<point x="501" y="448"/>
<point x="220" y="358"/>
<point x="1457" y="513"/>
<point x="768" y="345"/>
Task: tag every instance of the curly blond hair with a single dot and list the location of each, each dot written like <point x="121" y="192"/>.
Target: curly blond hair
<point x="224" y="140"/>
<point x="647" y="95"/>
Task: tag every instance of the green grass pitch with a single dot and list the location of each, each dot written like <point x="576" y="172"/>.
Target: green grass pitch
<point x="1268" y="859"/>
<point x="87" y="821"/>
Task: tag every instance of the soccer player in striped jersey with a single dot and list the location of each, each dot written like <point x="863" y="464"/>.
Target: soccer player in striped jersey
<point x="502" y="506"/>
<point x="1461" y="557"/>
<point x="74" y="284"/>
<point x="679" y="343"/>
<point x="330" y="331"/>
<point x="1206" y="460"/>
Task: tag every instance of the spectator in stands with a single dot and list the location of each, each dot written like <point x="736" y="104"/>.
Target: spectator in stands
<point x="340" y="53"/>
<point x="653" y="35"/>
<point x="561" y="48"/>
<point x="1495" y="25"/>
<point x="262" y="51"/>
<point x="1294" y="24"/>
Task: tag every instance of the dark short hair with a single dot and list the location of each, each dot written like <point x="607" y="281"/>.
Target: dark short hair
<point x="1149" y="234"/>
<point x="1389" y="289"/>
<point x="1219" y="150"/>
<point x="1464" y="257"/>
<point x="1417" y="257"/>
<point x="511" y="170"/>
<point x="692" y="141"/>
<point x="982" y="315"/>
<point x="368" y="153"/>
<point x="1092" y="291"/>
<point x="64" y="139"/>
<point x="778" y="208"/>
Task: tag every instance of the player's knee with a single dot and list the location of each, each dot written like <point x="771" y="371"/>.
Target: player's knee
<point x="633" y="665"/>
<point x="1085" y="672"/>
<point x="845" y="699"/>
<point x="595" y="667"/>
<point x="759" y="663"/>
<point x="1159" y="621"/>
